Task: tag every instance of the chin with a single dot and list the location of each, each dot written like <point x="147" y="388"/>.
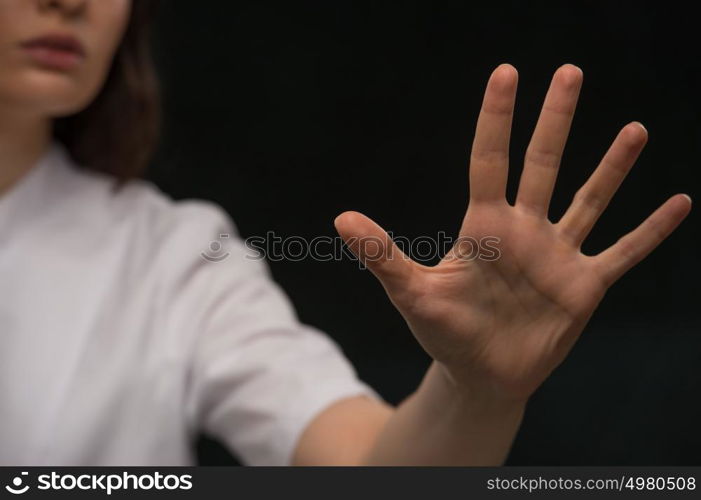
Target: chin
<point x="52" y="94"/>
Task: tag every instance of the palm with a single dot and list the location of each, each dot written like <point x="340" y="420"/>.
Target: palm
<point x="517" y="313"/>
<point x="510" y="321"/>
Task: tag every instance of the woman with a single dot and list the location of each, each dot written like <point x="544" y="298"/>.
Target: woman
<point x="119" y="342"/>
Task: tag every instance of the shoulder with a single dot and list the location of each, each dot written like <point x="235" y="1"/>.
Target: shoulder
<point x="95" y="199"/>
<point x="141" y="222"/>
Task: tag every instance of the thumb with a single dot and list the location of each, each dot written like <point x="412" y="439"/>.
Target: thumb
<point x="375" y="249"/>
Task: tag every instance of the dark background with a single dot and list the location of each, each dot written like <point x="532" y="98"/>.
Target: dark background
<point x="286" y="114"/>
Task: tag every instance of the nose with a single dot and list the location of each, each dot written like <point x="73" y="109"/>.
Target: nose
<point x="69" y="8"/>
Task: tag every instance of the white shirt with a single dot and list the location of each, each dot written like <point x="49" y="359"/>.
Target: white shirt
<point x="119" y="342"/>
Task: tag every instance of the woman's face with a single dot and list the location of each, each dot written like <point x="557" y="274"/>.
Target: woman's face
<point x="56" y="54"/>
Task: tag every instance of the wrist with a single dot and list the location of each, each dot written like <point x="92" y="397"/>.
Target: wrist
<point x="478" y="397"/>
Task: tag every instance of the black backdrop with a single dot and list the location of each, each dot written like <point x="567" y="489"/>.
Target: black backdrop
<point x="288" y="113"/>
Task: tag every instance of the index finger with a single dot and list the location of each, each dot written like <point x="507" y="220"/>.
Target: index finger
<point x="489" y="159"/>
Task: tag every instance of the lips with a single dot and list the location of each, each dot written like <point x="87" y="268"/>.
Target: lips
<point x="55" y="52"/>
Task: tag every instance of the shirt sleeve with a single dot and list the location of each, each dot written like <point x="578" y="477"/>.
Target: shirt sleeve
<point x="256" y="376"/>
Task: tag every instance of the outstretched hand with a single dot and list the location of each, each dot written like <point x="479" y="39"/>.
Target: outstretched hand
<point x="501" y="326"/>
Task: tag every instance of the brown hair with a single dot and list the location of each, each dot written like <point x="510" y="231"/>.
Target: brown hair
<point x="118" y="132"/>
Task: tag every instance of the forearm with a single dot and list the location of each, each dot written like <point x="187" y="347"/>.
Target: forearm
<point x="442" y="425"/>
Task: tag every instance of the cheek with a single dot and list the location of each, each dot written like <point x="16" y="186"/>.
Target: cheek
<point x="13" y="13"/>
<point x="111" y="21"/>
<point x="13" y="16"/>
